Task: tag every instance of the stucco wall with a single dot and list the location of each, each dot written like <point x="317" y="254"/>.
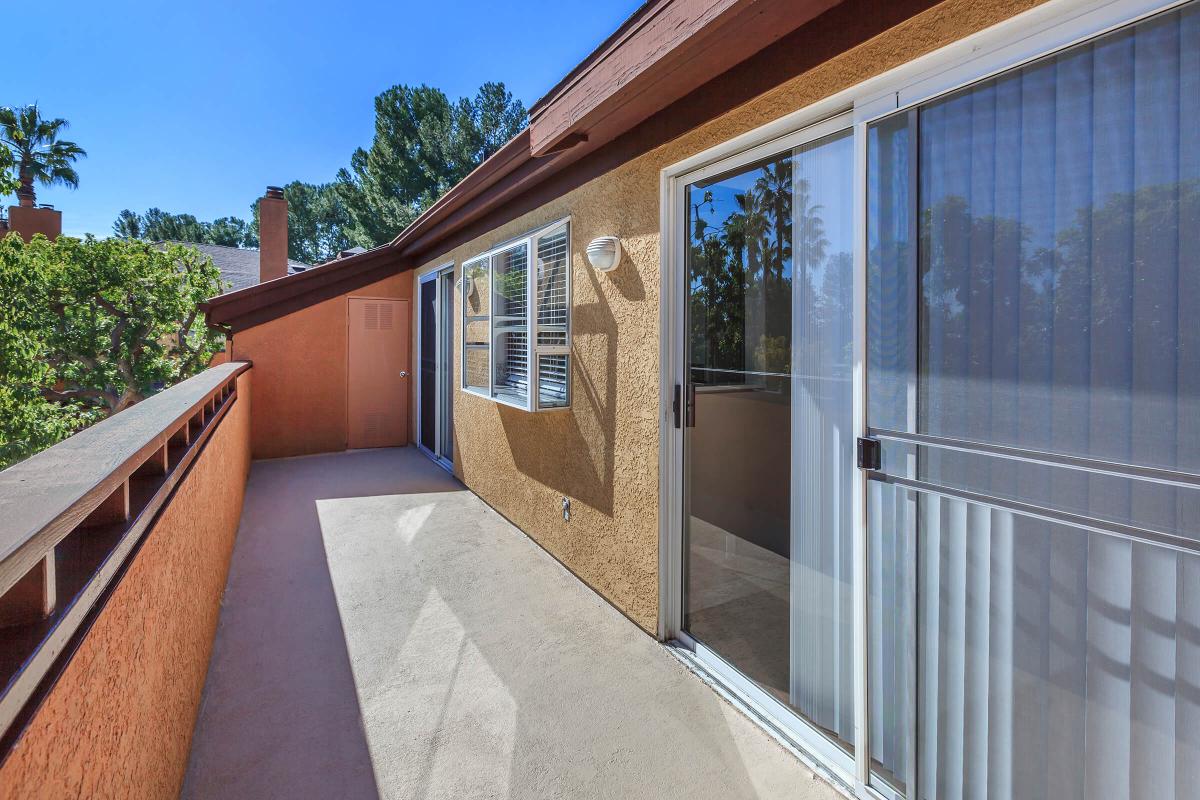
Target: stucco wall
<point x="118" y="723"/>
<point x="603" y="453"/>
<point x="300" y="364"/>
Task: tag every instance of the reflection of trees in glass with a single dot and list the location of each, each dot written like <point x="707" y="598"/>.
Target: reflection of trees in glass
<point x="1083" y="313"/>
<point x="741" y="269"/>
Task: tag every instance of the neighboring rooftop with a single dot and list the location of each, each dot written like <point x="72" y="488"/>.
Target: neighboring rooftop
<point x="239" y="265"/>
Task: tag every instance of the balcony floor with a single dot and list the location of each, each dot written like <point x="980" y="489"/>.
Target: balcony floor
<point x="386" y="634"/>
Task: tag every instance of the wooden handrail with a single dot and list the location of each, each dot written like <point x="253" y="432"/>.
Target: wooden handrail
<point x="71" y="516"/>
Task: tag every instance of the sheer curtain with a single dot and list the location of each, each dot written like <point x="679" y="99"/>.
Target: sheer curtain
<point x="1047" y="302"/>
<point x="822" y="619"/>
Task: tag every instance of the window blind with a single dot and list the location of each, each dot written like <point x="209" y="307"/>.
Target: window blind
<point x="552" y="319"/>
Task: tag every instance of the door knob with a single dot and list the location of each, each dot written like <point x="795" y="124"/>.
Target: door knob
<point x="403" y="373"/>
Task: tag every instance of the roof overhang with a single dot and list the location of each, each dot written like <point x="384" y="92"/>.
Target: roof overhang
<point x="263" y="302"/>
<point x="667" y="49"/>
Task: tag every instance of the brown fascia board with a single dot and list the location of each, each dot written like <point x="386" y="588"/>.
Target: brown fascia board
<point x="672" y="48"/>
<point x="263" y="302"/>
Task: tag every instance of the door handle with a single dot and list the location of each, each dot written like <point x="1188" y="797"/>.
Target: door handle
<point x="403" y="373"/>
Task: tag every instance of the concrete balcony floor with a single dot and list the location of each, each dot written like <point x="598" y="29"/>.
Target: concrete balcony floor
<point x="385" y="634"/>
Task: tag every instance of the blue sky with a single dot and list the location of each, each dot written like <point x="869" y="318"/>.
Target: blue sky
<point x="196" y="107"/>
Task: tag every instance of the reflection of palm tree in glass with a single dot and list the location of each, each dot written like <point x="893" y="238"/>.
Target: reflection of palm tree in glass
<point x="773" y="190"/>
<point x="745" y="259"/>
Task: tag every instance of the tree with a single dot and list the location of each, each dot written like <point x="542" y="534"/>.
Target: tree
<point x="231" y="232"/>
<point x="157" y="225"/>
<point x="40" y="156"/>
<point x="8" y="178"/>
<point x="423" y="145"/>
<point x="319" y="226"/>
<point x="128" y="225"/>
<point x="90" y="327"/>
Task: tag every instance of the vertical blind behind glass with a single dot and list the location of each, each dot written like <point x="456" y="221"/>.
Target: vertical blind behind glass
<point x="1041" y="294"/>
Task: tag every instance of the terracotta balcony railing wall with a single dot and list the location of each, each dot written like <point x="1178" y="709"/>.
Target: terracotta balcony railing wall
<point x="114" y="548"/>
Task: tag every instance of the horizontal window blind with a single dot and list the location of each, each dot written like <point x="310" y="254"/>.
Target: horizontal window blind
<point x="552" y="319"/>
<point x="552" y="288"/>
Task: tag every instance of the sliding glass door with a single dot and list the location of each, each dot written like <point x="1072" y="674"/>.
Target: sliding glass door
<point x="1033" y="353"/>
<point x="997" y="288"/>
<point x="768" y="442"/>
<point x="435" y="385"/>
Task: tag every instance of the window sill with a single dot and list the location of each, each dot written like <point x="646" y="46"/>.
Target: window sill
<point x="482" y="395"/>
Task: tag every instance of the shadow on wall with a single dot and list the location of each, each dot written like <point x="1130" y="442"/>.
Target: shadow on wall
<point x="574" y="466"/>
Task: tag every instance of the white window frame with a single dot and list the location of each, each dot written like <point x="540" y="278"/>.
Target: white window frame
<point x="1041" y="31"/>
<point x="529" y="241"/>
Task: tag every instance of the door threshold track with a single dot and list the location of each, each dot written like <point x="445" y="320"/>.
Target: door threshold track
<point x="751" y="710"/>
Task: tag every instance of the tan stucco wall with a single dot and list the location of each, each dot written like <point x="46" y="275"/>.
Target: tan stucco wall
<point x="300" y="364"/>
<point x="118" y="723"/>
<point x="603" y="453"/>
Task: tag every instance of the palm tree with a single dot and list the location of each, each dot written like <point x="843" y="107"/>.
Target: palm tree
<point x="40" y="155"/>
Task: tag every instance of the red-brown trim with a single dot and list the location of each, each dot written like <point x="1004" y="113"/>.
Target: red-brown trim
<point x="674" y="48"/>
<point x="255" y="305"/>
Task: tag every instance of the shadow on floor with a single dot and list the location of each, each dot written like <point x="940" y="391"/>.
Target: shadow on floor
<point x="386" y="634"/>
<point x="280" y="714"/>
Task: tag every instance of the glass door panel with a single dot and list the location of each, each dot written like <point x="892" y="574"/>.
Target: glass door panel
<point x="435" y="387"/>
<point x="768" y="442"/>
<point x="1032" y="535"/>
<point x="428" y="349"/>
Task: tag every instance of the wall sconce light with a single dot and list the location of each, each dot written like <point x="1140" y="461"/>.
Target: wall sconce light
<point x="604" y="253"/>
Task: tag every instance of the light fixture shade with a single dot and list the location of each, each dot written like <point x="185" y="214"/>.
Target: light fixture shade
<point x="604" y="253"/>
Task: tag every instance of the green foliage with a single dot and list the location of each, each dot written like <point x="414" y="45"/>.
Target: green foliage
<point x="89" y="327"/>
<point x="33" y="145"/>
<point x="318" y="222"/>
<point x="157" y="225"/>
<point x="8" y="176"/>
<point x="423" y="145"/>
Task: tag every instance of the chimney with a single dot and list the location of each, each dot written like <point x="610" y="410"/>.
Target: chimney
<point x="28" y="220"/>
<point x="272" y="235"/>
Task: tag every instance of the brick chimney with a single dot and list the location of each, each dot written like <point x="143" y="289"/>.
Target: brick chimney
<point x="272" y="235"/>
<point x="27" y="220"/>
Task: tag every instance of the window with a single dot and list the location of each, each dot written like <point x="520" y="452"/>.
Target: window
<point x="476" y="319"/>
<point x="516" y="323"/>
